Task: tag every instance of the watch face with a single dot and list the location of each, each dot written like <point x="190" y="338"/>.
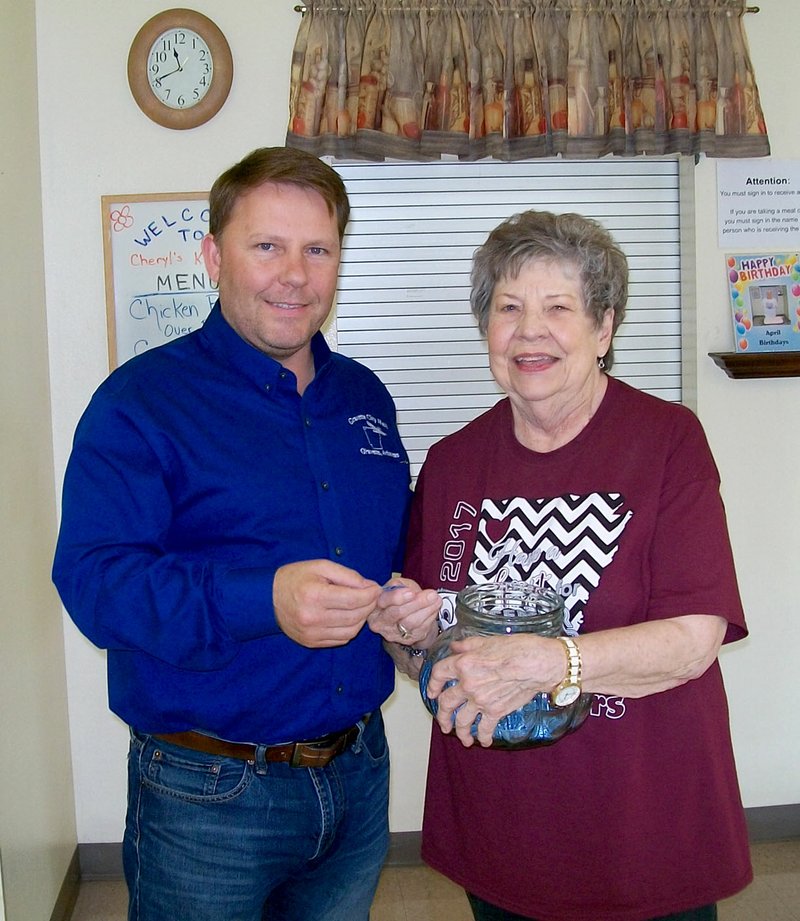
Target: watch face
<point x="566" y="695"/>
<point x="180" y="68"/>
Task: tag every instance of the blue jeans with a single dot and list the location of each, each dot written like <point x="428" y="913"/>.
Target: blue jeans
<point x="209" y="838"/>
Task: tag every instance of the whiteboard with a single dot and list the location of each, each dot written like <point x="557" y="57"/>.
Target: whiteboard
<point x="157" y="286"/>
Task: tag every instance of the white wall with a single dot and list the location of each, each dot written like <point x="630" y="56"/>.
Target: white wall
<point x="95" y="141"/>
<point x="37" y="822"/>
<point x="754" y="430"/>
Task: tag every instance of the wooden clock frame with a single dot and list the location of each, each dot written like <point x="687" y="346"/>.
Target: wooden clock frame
<point x="212" y="102"/>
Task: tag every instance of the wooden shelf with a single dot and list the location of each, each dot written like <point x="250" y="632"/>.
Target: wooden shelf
<point x="741" y="365"/>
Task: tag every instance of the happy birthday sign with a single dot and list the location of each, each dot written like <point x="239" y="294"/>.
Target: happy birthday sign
<point x="765" y="301"/>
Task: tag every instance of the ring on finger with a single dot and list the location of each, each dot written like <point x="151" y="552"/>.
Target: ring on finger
<point x="402" y="631"/>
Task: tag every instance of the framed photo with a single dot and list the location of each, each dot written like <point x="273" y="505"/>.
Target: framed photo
<point x="765" y="301"/>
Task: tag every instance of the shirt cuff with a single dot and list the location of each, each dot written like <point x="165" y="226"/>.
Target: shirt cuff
<point x="244" y="597"/>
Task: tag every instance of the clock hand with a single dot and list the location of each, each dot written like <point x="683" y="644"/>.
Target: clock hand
<point x="164" y="76"/>
<point x="178" y="69"/>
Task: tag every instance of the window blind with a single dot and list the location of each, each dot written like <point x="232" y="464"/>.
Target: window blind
<point x="403" y="300"/>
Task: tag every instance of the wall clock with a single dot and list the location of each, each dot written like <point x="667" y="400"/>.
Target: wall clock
<point x="180" y="68"/>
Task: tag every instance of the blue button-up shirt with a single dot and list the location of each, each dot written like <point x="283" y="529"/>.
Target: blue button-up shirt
<point x="196" y="472"/>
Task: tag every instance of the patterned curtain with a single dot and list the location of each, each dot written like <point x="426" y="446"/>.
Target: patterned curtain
<point x="515" y="79"/>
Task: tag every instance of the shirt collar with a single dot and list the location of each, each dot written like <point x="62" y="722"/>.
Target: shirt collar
<point x="222" y="339"/>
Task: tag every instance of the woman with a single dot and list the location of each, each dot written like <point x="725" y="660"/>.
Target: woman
<point x="582" y="483"/>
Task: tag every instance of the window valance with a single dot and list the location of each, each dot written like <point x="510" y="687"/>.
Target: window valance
<point x="515" y="79"/>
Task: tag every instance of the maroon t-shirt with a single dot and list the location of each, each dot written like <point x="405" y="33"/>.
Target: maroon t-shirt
<point x="637" y="814"/>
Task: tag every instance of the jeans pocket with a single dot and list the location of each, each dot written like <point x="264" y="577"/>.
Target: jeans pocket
<point x="373" y="740"/>
<point x="190" y="775"/>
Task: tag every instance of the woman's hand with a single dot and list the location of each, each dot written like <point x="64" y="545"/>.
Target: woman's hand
<point x="493" y="677"/>
<point x="405" y="662"/>
<point x="496" y="675"/>
<point x="405" y="614"/>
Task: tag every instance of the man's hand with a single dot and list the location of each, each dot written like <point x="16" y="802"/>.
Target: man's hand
<point x="319" y="603"/>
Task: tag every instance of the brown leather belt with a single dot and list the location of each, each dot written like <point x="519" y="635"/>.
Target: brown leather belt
<point x="313" y="753"/>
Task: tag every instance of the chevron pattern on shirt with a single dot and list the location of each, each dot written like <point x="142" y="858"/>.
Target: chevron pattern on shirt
<point x="563" y="542"/>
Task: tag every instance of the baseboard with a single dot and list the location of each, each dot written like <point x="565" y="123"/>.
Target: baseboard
<point x="404" y="849"/>
<point x="68" y="894"/>
<point x="101" y="861"/>
<point x="764" y="823"/>
<point x="773" y="823"/>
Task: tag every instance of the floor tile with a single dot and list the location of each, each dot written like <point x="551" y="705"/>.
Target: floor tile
<point x="101" y="901"/>
<point x="420" y="894"/>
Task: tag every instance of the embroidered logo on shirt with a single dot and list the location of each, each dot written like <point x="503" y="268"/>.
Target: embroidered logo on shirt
<point x="375" y="430"/>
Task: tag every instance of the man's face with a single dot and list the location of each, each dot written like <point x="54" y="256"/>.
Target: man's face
<point x="276" y="263"/>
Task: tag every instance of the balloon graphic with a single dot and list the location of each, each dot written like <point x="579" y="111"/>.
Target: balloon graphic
<point x="733" y="275"/>
<point x="796" y="290"/>
<point x="743" y="344"/>
<point x="747" y="323"/>
<point x="731" y="262"/>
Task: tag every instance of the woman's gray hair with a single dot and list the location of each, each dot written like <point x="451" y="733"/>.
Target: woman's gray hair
<point x="561" y="238"/>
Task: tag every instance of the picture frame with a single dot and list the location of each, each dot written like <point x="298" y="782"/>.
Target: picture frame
<point x="765" y="301"/>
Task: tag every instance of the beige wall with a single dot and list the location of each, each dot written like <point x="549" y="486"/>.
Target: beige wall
<point x="37" y="820"/>
<point x="95" y="141"/>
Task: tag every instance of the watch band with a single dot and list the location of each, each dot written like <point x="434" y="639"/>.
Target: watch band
<point x="568" y="690"/>
<point x="574" y="664"/>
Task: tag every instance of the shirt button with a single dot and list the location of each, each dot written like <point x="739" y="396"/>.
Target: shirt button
<point x="325" y="485"/>
<point x="338" y="551"/>
<point x="340" y="689"/>
<point x="308" y="423"/>
<point x="267" y="387"/>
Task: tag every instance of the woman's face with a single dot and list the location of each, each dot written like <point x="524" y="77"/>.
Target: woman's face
<point x="543" y="345"/>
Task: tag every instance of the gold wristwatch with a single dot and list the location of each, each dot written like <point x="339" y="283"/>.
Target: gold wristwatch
<point x="569" y="690"/>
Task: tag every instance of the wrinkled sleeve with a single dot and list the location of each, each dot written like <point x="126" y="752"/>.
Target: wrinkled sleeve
<point x="113" y="567"/>
<point x="692" y="562"/>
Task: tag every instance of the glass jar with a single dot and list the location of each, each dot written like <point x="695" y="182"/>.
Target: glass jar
<point x="495" y="609"/>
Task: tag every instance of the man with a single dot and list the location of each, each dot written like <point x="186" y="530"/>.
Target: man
<point x="233" y="504"/>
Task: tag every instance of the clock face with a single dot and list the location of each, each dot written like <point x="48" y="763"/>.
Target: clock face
<point x="180" y="68"/>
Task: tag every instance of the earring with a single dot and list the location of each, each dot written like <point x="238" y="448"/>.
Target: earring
<point x="601" y="362"/>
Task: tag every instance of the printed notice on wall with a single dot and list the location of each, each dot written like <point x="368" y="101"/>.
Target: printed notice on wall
<point x="758" y="204"/>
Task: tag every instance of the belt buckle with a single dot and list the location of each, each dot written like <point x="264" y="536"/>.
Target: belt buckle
<point x="322" y="754"/>
<point x="294" y="761"/>
<point x="325" y="753"/>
